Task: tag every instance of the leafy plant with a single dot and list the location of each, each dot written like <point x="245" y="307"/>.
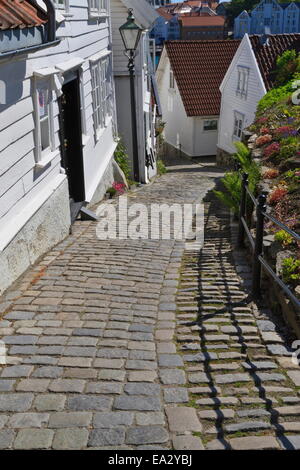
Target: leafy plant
<point x="284" y="238"/>
<point x="232" y="181"/>
<point x="291" y="270"/>
<point x="286" y="66"/>
<point x="111" y="191"/>
<point x="161" y="169"/>
<point x="122" y="160"/>
<point x="289" y="148"/>
<point x="274" y="96"/>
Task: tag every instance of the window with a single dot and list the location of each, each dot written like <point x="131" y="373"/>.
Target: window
<point x="172" y="81"/>
<point x="242" y="85"/>
<point x="210" y="125"/>
<point x="238" y="125"/>
<point x="102" y="92"/>
<point x="44" y="119"/>
<point x="98" y="7"/>
<point x="59" y="3"/>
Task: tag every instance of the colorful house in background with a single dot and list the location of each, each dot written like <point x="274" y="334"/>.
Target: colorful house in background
<point x="187" y="20"/>
<point x="271" y="16"/>
<point x="202" y="27"/>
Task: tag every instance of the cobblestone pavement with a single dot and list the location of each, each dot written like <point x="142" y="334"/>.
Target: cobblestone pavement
<point x="242" y="384"/>
<point x="139" y="344"/>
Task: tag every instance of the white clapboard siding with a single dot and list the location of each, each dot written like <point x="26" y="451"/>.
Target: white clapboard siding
<point x="80" y="37"/>
<point x="11" y="155"/>
<point x="232" y="102"/>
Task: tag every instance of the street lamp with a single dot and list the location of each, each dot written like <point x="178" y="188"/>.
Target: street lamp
<point x="131" y="35"/>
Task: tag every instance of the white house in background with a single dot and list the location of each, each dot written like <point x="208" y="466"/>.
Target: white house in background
<point x="57" y="122"/>
<point x="145" y="85"/>
<point x="247" y="80"/>
<point x="189" y="75"/>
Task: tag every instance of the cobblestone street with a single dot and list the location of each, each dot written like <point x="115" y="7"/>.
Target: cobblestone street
<point x="144" y="344"/>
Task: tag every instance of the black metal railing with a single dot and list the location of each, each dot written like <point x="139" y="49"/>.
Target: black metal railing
<point x="257" y="242"/>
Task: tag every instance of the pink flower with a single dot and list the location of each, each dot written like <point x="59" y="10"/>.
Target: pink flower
<point x="263" y="140"/>
<point x="119" y="187"/>
<point x="272" y="150"/>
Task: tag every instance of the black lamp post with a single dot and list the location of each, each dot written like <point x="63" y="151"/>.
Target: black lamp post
<point x="131" y="35"/>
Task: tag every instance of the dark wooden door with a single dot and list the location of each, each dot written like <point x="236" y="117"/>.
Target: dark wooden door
<point x="71" y="143"/>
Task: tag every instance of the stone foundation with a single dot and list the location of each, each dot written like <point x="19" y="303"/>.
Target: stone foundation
<point x="47" y="227"/>
<point x="224" y="159"/>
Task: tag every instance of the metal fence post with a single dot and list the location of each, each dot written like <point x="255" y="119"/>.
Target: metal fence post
<point x="258" y="249"/>
<point x="241" y="233"/>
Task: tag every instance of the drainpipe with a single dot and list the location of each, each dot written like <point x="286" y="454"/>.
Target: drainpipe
<point x="51" y="20"/>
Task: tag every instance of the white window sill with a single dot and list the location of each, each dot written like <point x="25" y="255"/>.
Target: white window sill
<point x="67" y="14"/>
<point x="172" y="90"/>
<point x="45" y="160"/>
<point x="93" y="15"/>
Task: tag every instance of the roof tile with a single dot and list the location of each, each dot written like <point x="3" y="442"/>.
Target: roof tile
<point x="267" y="54"/>
<point x="20" y="14"/>
<point x="199" y="68"/>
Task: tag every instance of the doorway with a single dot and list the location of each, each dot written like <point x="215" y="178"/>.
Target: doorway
<point x="71" y="141"/>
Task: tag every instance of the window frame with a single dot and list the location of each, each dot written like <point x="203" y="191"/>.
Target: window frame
<point x="102" y="92"/>
<point x="242" y="81"/>
<point x="63" y="8"/>
<point x="171" y="80"/>
<point x="238" y="125"/>
<point x="43" y="156"/>
<point x="102" y="10"/>
<point x="212" y="129"/>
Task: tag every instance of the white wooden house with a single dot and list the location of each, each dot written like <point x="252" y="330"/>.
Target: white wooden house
<point x="57" y="122"/>
<point x="189" y="75"/>
<point x="146" y="101"/>
<point x="247" y="80"/>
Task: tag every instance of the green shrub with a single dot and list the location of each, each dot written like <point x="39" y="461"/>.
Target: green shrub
<point x="122" y="160"/>
<point x="286" y="66"/>
<point x="161" y="169"/>
<point x="291" y="270"/>
<point x="275" y="96"/>
<point x="231" y="197"/>
<point x="284" y="238"/>
<point x="289" y="147"/>
<point x="111" y="191"/>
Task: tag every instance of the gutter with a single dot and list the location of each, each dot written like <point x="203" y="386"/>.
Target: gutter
<point x="51" y="35"/>
<point x="27" y="50"/>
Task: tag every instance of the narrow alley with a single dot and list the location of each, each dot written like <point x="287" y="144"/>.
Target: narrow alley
<point x="145" y="344"/>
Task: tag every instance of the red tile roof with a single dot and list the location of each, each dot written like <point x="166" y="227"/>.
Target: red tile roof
<point x="20" y="14"/>
<point x="199" y="68"/>
<point x="202" y="21"/>
<point x="266" y="55"/>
